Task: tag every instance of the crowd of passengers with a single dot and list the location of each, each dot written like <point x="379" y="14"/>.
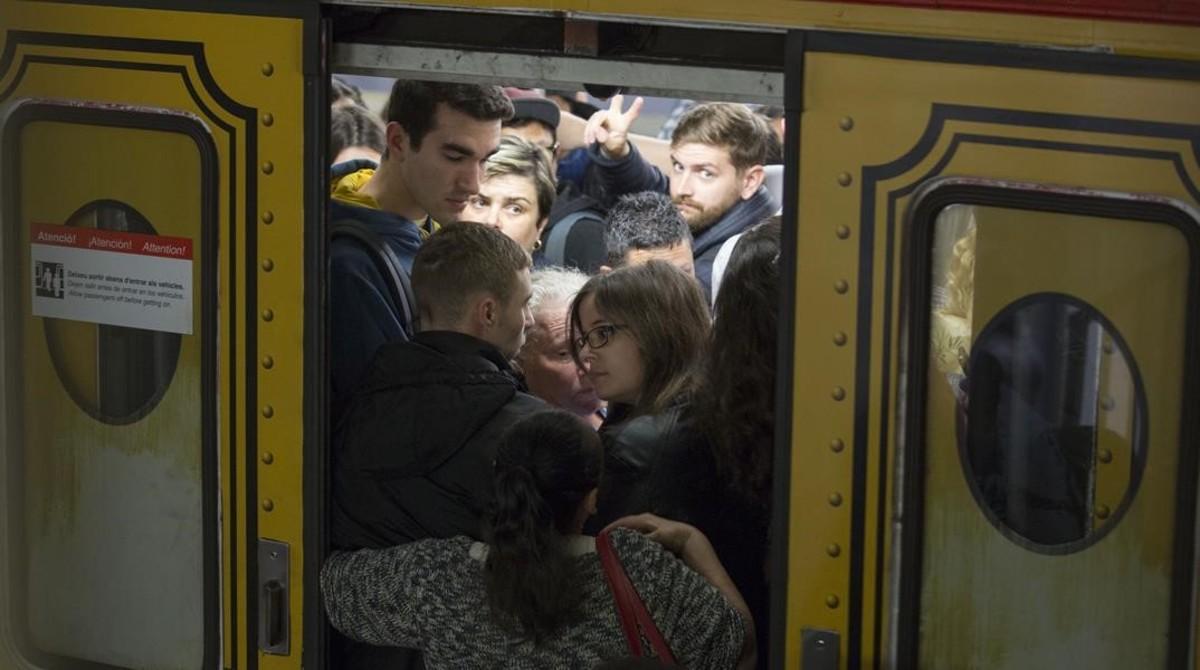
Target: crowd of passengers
<point x="584" y="389"/>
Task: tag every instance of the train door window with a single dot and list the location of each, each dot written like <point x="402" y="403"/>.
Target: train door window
<point x="1056" y="334"/>
<point x="109" y="340"/>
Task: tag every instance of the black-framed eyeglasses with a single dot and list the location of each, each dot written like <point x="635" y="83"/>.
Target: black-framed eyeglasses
<point x="598" y="336"/>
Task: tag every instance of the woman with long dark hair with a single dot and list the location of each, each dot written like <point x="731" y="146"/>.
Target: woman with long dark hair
<point x="717" y="474"/>
<point x="639" y="333"/>
<point x="536" y="596"/>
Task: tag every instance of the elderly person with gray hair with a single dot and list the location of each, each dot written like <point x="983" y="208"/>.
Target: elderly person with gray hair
<point x="516" y="192"/>
<point x="550" y="370"/>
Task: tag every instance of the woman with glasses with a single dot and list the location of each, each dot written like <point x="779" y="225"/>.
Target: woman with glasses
<point x="639" y="333"/>
<point x="516" y="193"/>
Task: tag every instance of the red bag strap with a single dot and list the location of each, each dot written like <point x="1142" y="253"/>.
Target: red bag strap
<point x="630" y="609"/>
<point x="612" y="574"/>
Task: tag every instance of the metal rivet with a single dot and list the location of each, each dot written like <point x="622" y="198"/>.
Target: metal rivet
<point x="836" y="446"/>
<point x="1102" y="511"/>
<point x="846" y="123"/>
<point x="845" y="179"/>
<point x="843" y="232"/>
<point x="268" y="119"/>
<point x="267" y="315"/>
<point x="268" y="167"/>
<point x="841" y="286"/>
<point x="1108" y="404"/>
<point x="268" y="362"/>
<point x="268" y="265"/>
<point x="839" y="338"/>
<point x="821" y="643"/>
<point x="268" y="69"/>
<point x="268" y="457"/>
<point x="1105" y="456"/>
<point x="839" y="393"/>
<point x="835" y="499"/>
<point x="831" y="601"/>
<point x="268" y="217"/>
<point x="834" y="550"/>
<point x="268" y="411"/>
<point x="268" y="504"/>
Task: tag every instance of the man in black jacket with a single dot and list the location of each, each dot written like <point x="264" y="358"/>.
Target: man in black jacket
<point x="413" y="457"/>
<point x="717" y="156"/>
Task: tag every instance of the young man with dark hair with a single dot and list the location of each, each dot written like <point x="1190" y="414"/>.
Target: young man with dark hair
<point x="413" y="457"/>
<point x="438" y="137"/>
<point x="647" y="226"/>
<point x="717" y="155"/>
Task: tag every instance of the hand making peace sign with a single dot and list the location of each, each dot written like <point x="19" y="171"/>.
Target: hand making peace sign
<point x="610" y="127"/>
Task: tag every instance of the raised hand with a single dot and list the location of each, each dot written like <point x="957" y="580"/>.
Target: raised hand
<point x="610" y="127"/>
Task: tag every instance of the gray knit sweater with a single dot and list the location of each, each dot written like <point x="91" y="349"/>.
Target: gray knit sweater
<point x="429" y="595"/>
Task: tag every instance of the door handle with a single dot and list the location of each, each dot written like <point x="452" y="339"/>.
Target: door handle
<point x="274" y="635"/>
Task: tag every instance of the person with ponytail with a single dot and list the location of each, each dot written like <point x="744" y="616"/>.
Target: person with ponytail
<point x="535" y="595"/>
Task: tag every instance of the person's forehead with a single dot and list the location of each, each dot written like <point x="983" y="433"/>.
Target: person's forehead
<point x="451" y="124"/>
<point x="677" y="251"/>
<point x="695" y="153"/>
<point x="551" y="328"/>
<point x="509" y="186"/>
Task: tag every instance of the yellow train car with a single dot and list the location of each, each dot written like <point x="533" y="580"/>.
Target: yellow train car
<point x="988" y="451"/>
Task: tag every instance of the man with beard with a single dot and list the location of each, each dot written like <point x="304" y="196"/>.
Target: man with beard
<point x="716" y="178"/>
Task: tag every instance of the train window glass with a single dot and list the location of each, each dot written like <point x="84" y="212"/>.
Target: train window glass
<point x="1050" y="415"/>
<point x="127" y="370"/>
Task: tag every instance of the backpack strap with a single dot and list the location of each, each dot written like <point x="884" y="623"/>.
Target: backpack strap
<point x="555" y="250"/>
<point x="395" y="277"/>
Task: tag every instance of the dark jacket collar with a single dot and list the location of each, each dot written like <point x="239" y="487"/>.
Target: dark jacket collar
<point x="457" y="344"/>
<point x="742" y="215"/>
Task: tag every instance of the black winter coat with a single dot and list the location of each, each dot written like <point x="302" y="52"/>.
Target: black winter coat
<point x="412" y="459"/>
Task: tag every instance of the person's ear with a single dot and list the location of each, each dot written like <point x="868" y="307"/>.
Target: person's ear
<point x="487" y="312"/>
<point x="752" y="178"/>
<point x="591" y="500"/>
<point x="397" y="141"/>
<point x="542" y="225"/>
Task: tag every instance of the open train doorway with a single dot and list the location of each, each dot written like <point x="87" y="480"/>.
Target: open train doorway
<point x="595" y="66"/>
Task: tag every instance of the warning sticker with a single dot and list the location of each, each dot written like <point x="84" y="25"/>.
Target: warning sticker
<point x="114" y="278"/>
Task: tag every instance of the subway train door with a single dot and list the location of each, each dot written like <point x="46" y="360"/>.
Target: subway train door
<point x="152" y="247"/>
<point x="1000" y="247"/>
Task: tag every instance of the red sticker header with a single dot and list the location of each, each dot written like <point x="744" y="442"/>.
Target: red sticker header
<point x="108" y="240"/>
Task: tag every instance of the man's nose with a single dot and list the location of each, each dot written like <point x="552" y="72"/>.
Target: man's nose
<point x="470" y="178"/>
<point x="683" y="183"/>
